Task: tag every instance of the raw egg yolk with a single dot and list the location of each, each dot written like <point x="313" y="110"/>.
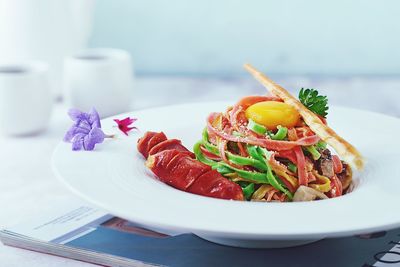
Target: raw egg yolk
<point x="273" y="113"/>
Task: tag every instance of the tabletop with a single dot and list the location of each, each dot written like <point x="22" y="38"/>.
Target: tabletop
<point x="28" y="186"/>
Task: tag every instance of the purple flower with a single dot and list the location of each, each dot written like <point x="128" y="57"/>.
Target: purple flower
<point x="86" y="131"/>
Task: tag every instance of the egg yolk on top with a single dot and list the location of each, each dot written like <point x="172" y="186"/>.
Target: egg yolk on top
<point x="273" y="113"/>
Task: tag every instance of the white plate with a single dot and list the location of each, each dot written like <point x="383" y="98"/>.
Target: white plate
<point x="114" y="177"/>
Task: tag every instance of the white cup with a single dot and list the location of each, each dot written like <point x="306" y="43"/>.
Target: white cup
<point x="45" y="30"/>
<point x="25" y="98"/>
<point x="101" y="78"/>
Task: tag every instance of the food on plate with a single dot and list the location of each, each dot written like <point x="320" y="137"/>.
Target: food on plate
<point x="341" y="146"/>
<point x="152" y="143"/>
<point x="175" y="165"/>
<point x="263" y="148"/>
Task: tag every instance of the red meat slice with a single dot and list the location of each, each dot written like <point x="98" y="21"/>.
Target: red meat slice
<point x="179" y="170"/>
<point x="156" y="139"/>
<point x="175" y="165"/>
<point x="148" y="141"/>
<point x="176" y="168"/>
<point x="213" y="184"/>
<point x="143" y="142"/>
<point x="170" y="144"/>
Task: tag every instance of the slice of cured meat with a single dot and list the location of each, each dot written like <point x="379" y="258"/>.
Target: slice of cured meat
<point x="175" y="165"/>
<point x="179" y="170"/>
<point x="213" y="184"/>
<point x="169" y="144"/>
<point x="176" y="168"/>
<point x="148" y="141"/>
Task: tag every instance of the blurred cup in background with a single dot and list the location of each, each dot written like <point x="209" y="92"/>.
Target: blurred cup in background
<point x="100" y="78"/>
<point x="44" y="30"/>
<point x="25" y="98"/>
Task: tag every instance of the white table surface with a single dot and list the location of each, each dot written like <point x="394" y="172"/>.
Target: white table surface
<point x="28" y="186"/>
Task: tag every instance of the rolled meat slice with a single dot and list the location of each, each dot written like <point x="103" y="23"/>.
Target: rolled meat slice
<point x="213" y="184"/>
<point x="170" y="144"/>
<point x="148" y="141"/>
<point x="178" y="169"/>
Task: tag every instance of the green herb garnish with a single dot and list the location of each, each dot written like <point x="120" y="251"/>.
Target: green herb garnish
<point x="314" y="102"/>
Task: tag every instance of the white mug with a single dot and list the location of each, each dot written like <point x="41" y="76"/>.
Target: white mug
<point x="101" y="78"/>
<point x="44" y="30"/>
<point x="25" y="98"/>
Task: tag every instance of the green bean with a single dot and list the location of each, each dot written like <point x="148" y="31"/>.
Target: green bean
<point x="257" y="128"/>
<point x="280" y="134"/>
<point x="243" y="161"/>
<point x="321" y="145"/>
<point x="235" y="159"/>
<point x="257" y="177"/>
<point x="210" y="147"/>
<point x="248" y="191"/>
<point x="200" y="156"/>
<point x="258" y="158"/>
<point x="222" y="169"/>
<point x="313" y="151"/>
<point x="292" y="167"/>
<point x="272" y="180"/>
<point x="252" y="150"/>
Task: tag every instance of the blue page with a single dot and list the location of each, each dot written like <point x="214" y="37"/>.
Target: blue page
<point x="190" y="250"/>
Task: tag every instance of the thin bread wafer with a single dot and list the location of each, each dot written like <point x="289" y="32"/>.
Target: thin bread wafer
<point x="347" y="151"/>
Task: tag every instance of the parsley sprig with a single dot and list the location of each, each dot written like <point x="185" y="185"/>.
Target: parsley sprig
<point x="314" y="102"/>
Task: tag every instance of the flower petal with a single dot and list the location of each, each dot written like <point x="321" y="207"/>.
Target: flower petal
<point x="77" y="145"/>
<point x="75" y="114"/>
<point x="77" y="141"/>
<point x="94" y="118"/>
<point x="86" y="131"/>
<point x="124" y="124"/>
<point x="94" y="137"/>
<point x="74" y="130"/>
<point x="84" y="125"/>
<point x="69" y="135"/>
<point x="127" y="121"/>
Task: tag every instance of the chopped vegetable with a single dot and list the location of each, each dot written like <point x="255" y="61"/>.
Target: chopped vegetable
<point x="246" y="161"/>
<point x="254" y="176"/>
<point x="280" y="134"/>
<point x="222" y="169"/>
<point x="248" y="190"/>
<point x="262" y="191"/>
<point x="270" y="176"/>
<point x="253" y="152"/>
<point x="235" y="159"/>
<point x="313" y="151"/>
<point x="292" y="167"/>
<point x="321" y="145"/>
<point x="257" y="128"/>
<point x="210" y="147"/>
<point x="305" y="193"/>
<point x="200" y="156"/>
<point x="325" y="186"/>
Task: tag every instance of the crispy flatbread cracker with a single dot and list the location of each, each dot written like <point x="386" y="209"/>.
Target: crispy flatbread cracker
<point x="347" y="151"/>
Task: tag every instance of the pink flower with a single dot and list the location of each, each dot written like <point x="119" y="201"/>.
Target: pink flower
<point x="124" y="124"/>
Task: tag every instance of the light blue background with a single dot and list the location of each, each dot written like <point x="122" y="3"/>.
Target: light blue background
<point x="211" y="37"/>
